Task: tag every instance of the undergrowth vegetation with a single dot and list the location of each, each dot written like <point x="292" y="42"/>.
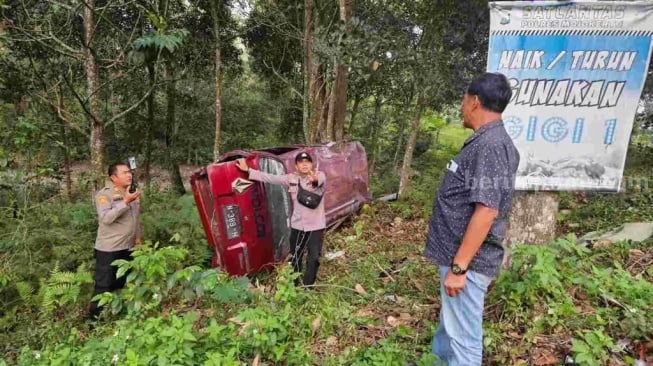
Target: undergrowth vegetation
<point x="376" y="305"/>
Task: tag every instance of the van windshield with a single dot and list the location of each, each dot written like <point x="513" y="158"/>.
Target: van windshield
<point x="278" y="201"/>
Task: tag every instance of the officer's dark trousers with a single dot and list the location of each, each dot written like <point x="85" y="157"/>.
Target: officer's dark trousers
<point x="105" y="275"/>
<point x="306" y="241"/>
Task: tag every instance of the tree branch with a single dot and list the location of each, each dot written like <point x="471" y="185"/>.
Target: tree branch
<point x="60" y="114"/>
<point x="32" y="38"/>
<point x="285" y="80"/>
<point x="123" y="113"/>
<point x="81" y="102"/>
<point x="62" y="44"/>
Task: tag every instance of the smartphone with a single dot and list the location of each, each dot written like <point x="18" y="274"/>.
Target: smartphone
<point x="132" y="167"/>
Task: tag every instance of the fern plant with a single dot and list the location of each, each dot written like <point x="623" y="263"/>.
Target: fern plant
<point x="62" y="288"/>
<point x="27" y="293"/>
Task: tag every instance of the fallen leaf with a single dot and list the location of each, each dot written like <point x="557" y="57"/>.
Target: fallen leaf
<point x="332" y="341"/>
<point x="257" y="360"/>
<point x="360" y="289"/>
<point x="514" y="335"/>
<point x="365" y="313"/>
<point x="636" y="253"/>
<point x="547" y="359"/>
<point x="418" y="285"/>
<point x="315" y="325"/>
<point x="602" y="243"/>
<point x="392" y="321"/>
<point x="539" y="339"/>
<point x="405" y="317"/>
<point x="237" y="321"/>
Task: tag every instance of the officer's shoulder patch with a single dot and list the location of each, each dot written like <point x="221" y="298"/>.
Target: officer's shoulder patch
<point x="102" y="199"/>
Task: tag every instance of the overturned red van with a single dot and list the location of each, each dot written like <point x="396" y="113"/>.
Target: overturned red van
<point x="246" y="222"/>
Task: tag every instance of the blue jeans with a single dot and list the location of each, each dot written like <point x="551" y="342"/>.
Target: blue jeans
<point x="459" y="338"/>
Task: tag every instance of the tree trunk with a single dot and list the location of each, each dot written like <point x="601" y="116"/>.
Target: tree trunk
<point x="68" y="164"/>
<point x="330" y="135"/>
<point x="92" y="84"/>
<point x="311" y="114"/>
<point x="408" y="156"/>
<point x="65" y="148"/>
<point x="338" y="104"/>
<point x="150" y="124"/>
<point x="322" y="102"/>
<point x="218" y="102"/>
<point x="402" y="129"/>
<point x="339" y="89"/>
<point x="216" y="13"/>
<point x="532" y="220"/>
<point x="171" y="133"/>
<point x="400" y="141"/>
<point x="373" y="131"/>
<point x="353" y="113"/>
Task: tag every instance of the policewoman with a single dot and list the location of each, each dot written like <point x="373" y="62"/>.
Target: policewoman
<point x="307" y="223"/>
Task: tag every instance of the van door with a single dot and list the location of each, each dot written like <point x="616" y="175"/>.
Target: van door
<point x="279" y="205"/>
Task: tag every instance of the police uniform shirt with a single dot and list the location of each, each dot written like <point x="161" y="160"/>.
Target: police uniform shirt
<point x="119" y="223"/>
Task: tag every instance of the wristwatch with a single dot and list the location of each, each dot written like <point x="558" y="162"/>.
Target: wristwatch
<point x="457" y="270"/>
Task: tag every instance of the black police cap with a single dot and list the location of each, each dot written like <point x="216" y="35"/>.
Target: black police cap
<point x="303" y="156"/>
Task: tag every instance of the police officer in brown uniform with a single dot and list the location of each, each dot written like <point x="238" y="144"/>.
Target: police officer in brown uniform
<point x="118" y="231"/>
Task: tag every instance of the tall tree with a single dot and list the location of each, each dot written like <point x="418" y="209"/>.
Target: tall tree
<point x="158" y="46"/>
<point x="171" y="130"/>
<point x="217" y="14"/>
<point x="94" y="48"/>
<point x="92" y="91"/>
<point x="338" y="102"/>
<point x="410" y="147"/>
<point x="224" y="30"/>
<point x="312" y="83"/>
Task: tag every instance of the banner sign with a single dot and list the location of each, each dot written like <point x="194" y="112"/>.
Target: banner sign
<point x="577" y="70"/>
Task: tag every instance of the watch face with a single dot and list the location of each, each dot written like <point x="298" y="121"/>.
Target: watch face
<point x="456" y="269"/>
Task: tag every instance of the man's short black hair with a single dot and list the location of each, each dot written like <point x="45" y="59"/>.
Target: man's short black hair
<point x="492" y="90"/>
<point x="113" y="168"/>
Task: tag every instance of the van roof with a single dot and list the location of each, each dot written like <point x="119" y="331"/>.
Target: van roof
<point x="280" y="150"/>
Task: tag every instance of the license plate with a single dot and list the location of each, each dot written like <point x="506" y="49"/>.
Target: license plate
<point x="231" y="214"/>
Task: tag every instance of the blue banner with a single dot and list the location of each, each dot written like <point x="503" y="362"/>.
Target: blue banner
<point x="577" y="70"/>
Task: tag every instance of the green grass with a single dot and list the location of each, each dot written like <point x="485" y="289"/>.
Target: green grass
<point x="454" y="135"/>
<point x="377" y="305"/>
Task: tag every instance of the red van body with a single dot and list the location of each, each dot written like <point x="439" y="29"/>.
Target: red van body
<point x="246" y="222"/>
